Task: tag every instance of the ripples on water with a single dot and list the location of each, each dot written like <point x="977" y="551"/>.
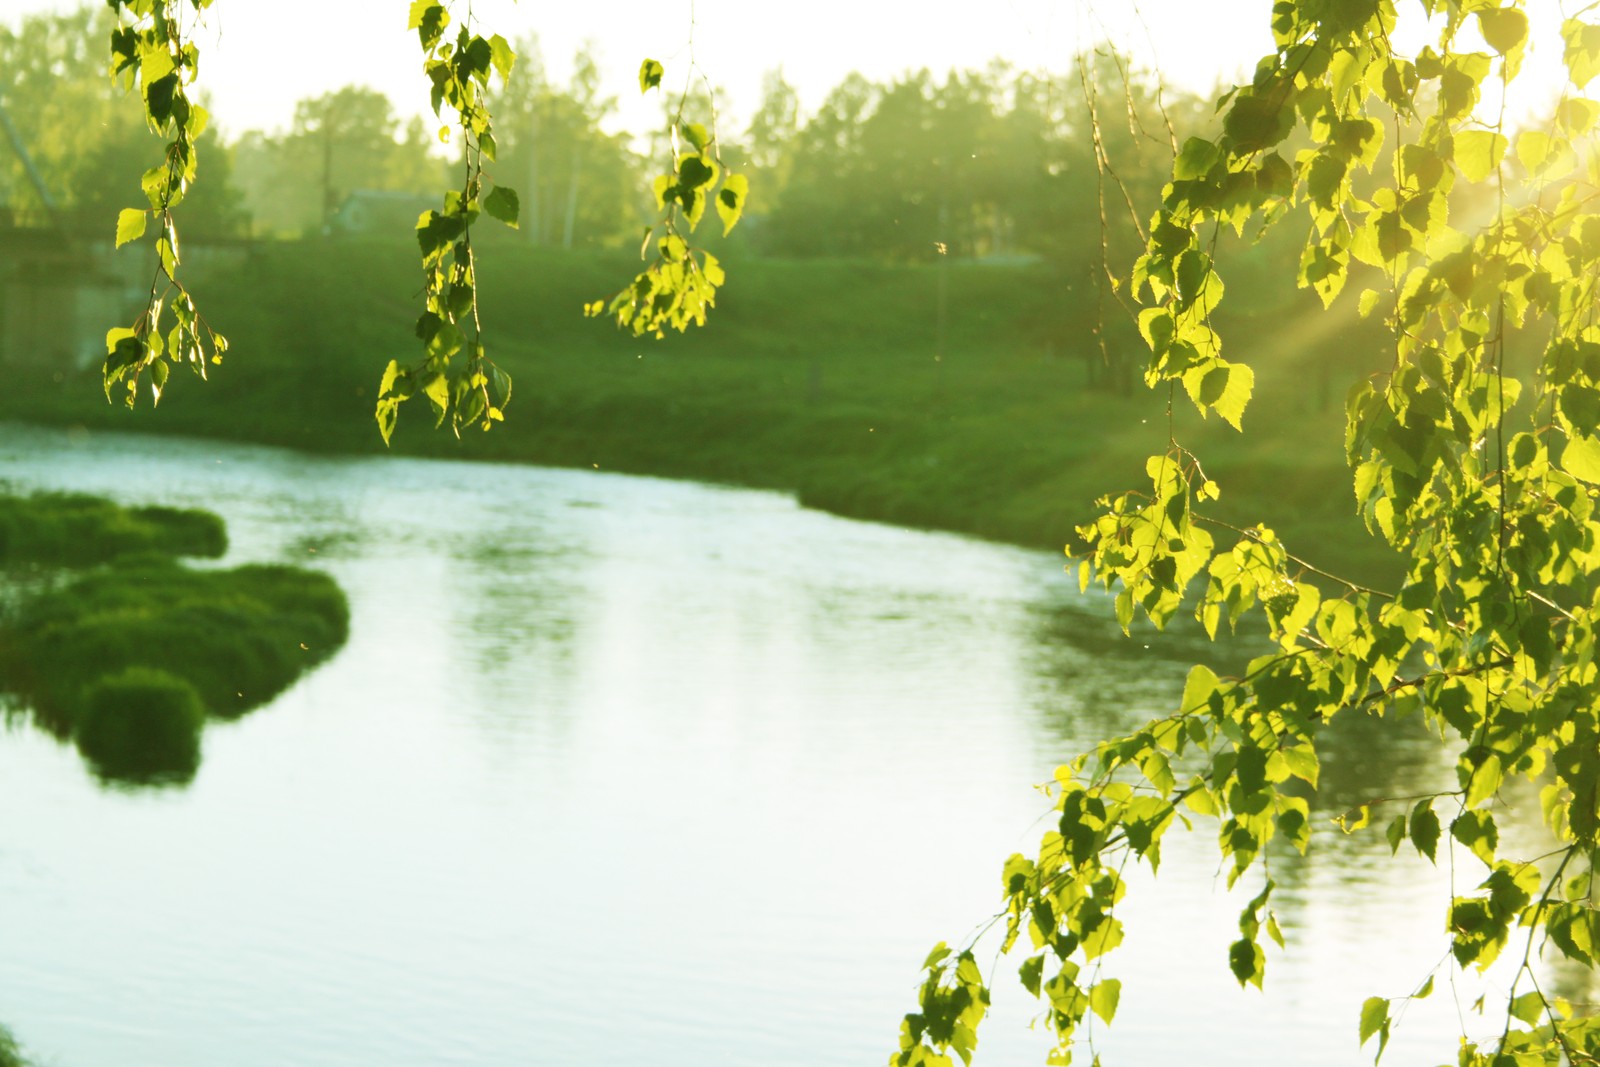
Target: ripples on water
<point x="622" y="769"/>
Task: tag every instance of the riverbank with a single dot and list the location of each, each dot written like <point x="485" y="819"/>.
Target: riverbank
<point x="827" y="379"/>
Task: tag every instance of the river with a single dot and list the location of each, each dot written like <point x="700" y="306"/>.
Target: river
<point x="617" y="769"/>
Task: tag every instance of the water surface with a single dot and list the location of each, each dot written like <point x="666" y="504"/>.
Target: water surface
<point x="616" y="769"/>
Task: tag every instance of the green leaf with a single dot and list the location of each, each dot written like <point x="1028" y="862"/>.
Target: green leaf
<point x="130" y="225"/>
<point x="1197" y="690"/>
<point x="502" y="56"/>
<point x="663" y="188"/>
<point x="435" y="232"/>
<point x="1504" y="28"/>
<point x="1582" y="53"/>
<point x="1478" y="153"/>
<point x="1195" y="160"/>
<point x="158" y="379"/>
<point x="712" y="269"/>
<point x="1032" y="970"/>
<point x="1247" y="962"/>
<point x="1529" y="1008"/>
<point x="1198" y="285"/>
<point x="1484" y="780"/>
<point x="479" y="58"/>
<point x="154" y="184"/>
<point x="1374" y="1018"/>
<point x="1303" y="763"/>
<point x="437" y="390"/>
<point x="501" y="203"/>
<point x="419" y="11"/>
<point x="1224" y="387"/>
<point x="1259" y="119"/>
<point x="1103" y="998"/>
<point x="1533" y="149"/>
<point x="1477" y="830"/>
<point x="390" y="374"/>
<point x="696" y="135"/>
<point x="1396" y="833"/>
<point x="118" y="338"/>
<point x="1581" y="459"/>
<point x="387" y="414"/>
<point x="650" y="73"/>
<point x="695" y="171"/>
<point x="1425" y="829"/>
<point x="502" y="384"/>
<point x="730" y="201"/>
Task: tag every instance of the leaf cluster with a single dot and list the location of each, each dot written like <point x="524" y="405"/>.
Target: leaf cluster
<point x="152" y="51"/>
<point x="455" y="375"/>
<point x="1475" y="456"/>
<point x="680" y="283"/>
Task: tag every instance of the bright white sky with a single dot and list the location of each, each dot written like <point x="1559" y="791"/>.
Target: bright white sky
<point x="258" y="64"/>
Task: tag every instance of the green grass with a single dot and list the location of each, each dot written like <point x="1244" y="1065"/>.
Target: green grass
<point x="78" y="530"/>
<point x="239" y="637"/>
<point x="130" y="657"/>
<point x="141" y="726"/>
<point x="818" y="378"/>
<point x="10" y="1052"/>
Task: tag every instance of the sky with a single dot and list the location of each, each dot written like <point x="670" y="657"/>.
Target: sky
<point x="258" y="58"/>
<point x="261" y="60"/>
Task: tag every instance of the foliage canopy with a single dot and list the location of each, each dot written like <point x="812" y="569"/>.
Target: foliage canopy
<point x="1475" y="457"/>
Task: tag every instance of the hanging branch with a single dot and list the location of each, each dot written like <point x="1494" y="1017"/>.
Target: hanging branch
<point x="153" y="51"/>
<point x="456" y="376"/>
<point x="680" y="284"/>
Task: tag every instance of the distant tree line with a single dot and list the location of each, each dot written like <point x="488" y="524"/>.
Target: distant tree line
<point x="995" y="162"/>
<point x="87" y="140"/>
<point x="991" y="163"/>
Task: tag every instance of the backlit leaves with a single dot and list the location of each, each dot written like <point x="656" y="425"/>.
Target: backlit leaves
<point x="152" y="52"/>
<point x="1504" y="28"/>
<point x="730" y="201"/>
<point x="1475" y="456"/>
<point x="130" y="225"/>
<point x="679" y="284"/>
<point x="501" y="203"/>
<point x="1582" y="51"/>
<point x="650" y="74"/>
<point x="461" y="385"/>
<point x="1375" y="1021"/>
<point x="1478" y="153"/>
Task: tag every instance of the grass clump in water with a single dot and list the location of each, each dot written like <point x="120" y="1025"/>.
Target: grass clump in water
<point x="238" y="637"/>
<point x="129" y="658"/>
<point x="78" y="530"/>
<point x="10" y="1053"/>
<point x="142" y="726"/>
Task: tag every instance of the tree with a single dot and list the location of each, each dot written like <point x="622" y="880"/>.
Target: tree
<point x="1475" y="458"/>
<point x="338" y="143"/>
<point x="772" y="129"/>
<point x="579" y="184"/>
<point x="55" y="92"/>
<point x="81" y="134"/>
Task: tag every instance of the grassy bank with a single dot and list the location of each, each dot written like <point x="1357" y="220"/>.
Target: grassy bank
<point x="823" y="378"/>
